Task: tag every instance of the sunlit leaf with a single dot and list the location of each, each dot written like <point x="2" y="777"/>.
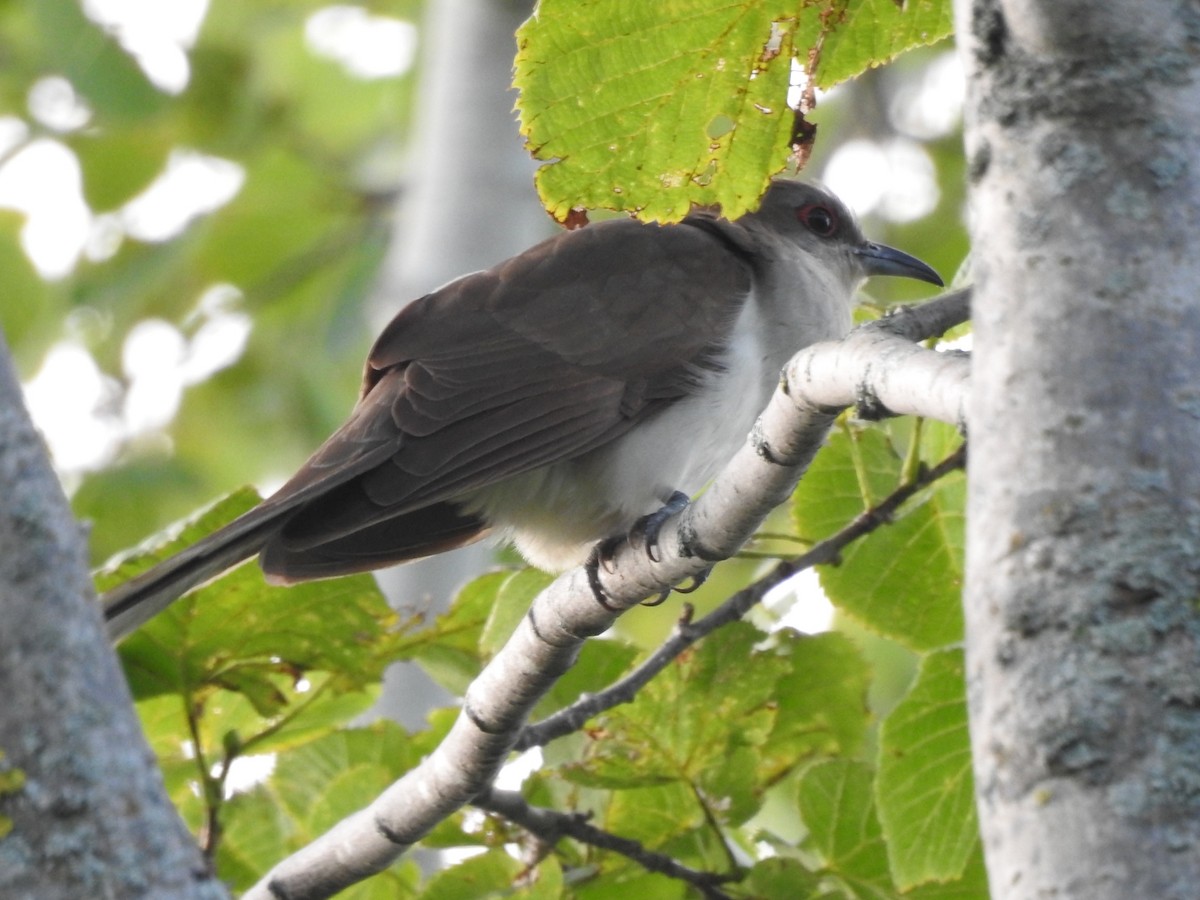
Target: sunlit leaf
<point x="653" y="107"/>
<point x="925" y="789"/>
<point x="904" y="579"/>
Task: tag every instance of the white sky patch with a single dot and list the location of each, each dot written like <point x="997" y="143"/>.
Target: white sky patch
<point x="929" y="105"/>
<point x="152" y="358"/>
<point x="192" y="184"/>
<point x="513" y="774"/>
<point x="895" y="179"/>
<point x="86" y="417"/>
<point x="247" y="771"/>
<point x="43" y="180"/>
<point x="367" y="46"/>
<point x="72" y="403"/>
<point x="53" y="102"/>
<point x="104" y="237"/>
<point x="159" y="360"/>
<point x="157" y="34"/>
<point x="798" y="81"/>
<point x="13" y="133"/>
<point x="220" y="336"/>
<point x="801" y="604"/>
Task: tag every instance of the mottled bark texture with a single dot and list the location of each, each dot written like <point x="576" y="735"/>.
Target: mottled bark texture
<point x="1084" y="540"/>
<point x="81" y="797"/>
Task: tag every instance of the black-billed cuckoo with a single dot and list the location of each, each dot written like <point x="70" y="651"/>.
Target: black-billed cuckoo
<point x="555" y="398"/>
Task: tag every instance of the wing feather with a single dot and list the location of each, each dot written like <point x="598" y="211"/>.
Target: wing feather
<point x="545" y="357"/>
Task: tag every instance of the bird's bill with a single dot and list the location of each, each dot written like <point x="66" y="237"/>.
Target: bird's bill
<point x="880" y="259"/>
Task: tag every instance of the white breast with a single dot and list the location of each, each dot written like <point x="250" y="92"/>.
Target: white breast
<point x="554" y="515"/>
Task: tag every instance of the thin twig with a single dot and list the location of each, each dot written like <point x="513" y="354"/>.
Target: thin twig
<point x="571" y="719"/>
<point x="551" y="826"/>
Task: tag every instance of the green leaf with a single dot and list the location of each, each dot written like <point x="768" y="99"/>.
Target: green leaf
<point x="835" y="800"/>
<point x="972" y="885"/>
<point x="600" y="663"/>
<point x="652" y="815"/>
<point x="450" y="651"/>
<point x="254" y="836"/>
<point x="312" y="788"/>
<point x="871" y="32"/>
<point x="491" y="873"/>
<point x="321" y="782"/>
<point x="28" y="315"/>
<point x="903" y="580"/>
<point x="239" y="633"/>
<point x="925" y="788"/>
<point x="632" y="98"/>
<point x="823" y="702"/>
<point x="173" y="539"/>
<point x="119" y="163"/>
<point x="777" y="879"/>
<point x="627" y="879"/>
<point x="652" y="107"/>
<point x="687" y="724"/>
<point x="512" y="603"/>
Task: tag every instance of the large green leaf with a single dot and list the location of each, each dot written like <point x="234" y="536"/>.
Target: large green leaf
<point x="631" y="98"/>
<point x="872" y="32"/>
<point x="822" y="702"/>
<point x="904" y="579"/>
<point x="925" y="790"/>
<point x="652" y="107"/>
<point x="689" y="722"/>
<point x="836" y="802"/>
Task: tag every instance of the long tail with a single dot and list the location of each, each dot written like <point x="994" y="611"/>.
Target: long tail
<point x="132" y="604"/>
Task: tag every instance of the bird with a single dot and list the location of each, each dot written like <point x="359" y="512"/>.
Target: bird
<point x="555" y="399"/>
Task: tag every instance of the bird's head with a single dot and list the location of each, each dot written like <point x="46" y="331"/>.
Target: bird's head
<point x="805" y="216"/>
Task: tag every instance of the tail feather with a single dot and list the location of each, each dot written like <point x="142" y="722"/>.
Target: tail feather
<point x="130" y="605"/>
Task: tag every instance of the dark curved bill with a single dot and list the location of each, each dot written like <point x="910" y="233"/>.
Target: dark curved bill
<point x="880" y="259"/>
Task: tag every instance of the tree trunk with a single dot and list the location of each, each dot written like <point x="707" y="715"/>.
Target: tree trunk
<point x="83" y="812"/>
<point x="1084" y="538"/>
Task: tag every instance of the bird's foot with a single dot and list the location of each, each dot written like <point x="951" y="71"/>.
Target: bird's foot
<point x="644" y="531"/>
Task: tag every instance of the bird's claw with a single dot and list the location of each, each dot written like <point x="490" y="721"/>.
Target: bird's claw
<point x="648" y="527"/>
<point x="697" y="580"/>
<point x="645" y="531"/>
<point x="601" y="555"/>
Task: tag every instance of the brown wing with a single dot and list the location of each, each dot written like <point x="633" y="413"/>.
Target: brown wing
<point x="545" y="357"/>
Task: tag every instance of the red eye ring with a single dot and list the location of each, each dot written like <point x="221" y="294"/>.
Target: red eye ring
<point x="820" y="220"/>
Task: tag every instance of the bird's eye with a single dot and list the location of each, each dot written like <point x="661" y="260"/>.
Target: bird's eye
<point x="821" y="220"/>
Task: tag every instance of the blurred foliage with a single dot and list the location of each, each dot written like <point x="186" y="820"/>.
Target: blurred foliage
<point x="300" y="241"/>
<point x="832" y="766"/>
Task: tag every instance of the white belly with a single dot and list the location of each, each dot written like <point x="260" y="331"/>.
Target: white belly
<point x="555" y="514"/>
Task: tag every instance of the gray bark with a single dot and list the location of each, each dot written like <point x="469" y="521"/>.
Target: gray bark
<point x="1084" y="519"/>
<point x="88" y="813"/>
